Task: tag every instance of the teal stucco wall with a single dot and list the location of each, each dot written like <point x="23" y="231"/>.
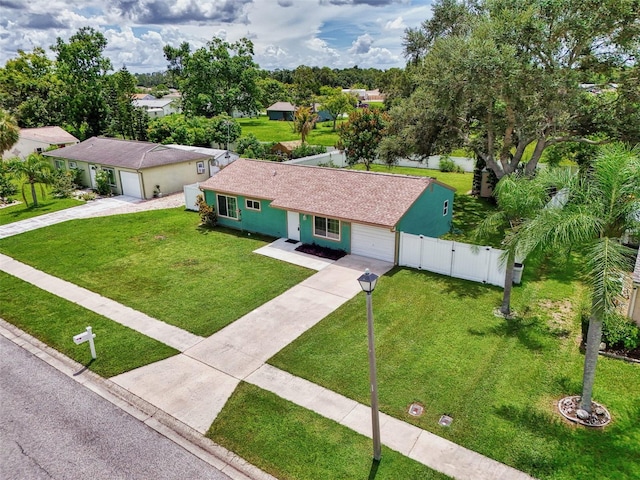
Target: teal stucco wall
<point x="306" y="235"/>
<point x="268" y="221"/>
<point x="425" y="215"/>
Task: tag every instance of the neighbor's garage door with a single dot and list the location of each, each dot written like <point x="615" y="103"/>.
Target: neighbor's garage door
<point x="373" y="242"/>
<point x="130" y="184"/>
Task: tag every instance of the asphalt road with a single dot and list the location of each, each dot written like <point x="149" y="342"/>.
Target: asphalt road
<point x="53" y="427"/>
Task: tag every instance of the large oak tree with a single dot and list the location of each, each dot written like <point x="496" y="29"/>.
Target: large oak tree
<point x="504" y="78"/>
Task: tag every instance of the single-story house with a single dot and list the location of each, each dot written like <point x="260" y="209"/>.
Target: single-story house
<point x="38" y="140"/>
<point x="158" y="108"/>
<point x="281" y="111"/>
<point x="359" y="212"/>
<point x="135" y="168"/>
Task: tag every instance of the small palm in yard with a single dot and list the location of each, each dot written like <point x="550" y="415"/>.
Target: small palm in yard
<point x="303" y="122"/>
<point x="601" y="204"/>
<point x="9" y="131"/>
<point x="519" y="198"/>
<point x="35" y="169"/>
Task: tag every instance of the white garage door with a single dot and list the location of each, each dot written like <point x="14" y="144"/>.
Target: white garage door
<point x="130" y="184"/>
<point x="373" y="242"/>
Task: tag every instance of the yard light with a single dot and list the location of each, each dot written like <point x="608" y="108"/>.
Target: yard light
<point x="368" y="283"/>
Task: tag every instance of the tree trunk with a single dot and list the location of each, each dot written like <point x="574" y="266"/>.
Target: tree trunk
<point x="594" y="337"/>
<point x="505" y="308"/>
<point x="33" y="194"/>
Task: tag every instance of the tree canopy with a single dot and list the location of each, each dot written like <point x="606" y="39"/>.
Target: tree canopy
<point x="504" y="78"/>
<point x="361" y="134"/>
<point x="219" y="78"/>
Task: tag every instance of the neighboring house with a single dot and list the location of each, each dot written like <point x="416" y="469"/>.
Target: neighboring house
<point x="359" y="212"/>
<point x="286" y="148"/>
<point x="143" y="96"/>
<point x="158" y="108"/>
<point x="634" y="303"/>
<point x="135" y="168"/>
<point x="38" y="140"/>
<point x="219" y="158"/>
<point x="281" y="111"/>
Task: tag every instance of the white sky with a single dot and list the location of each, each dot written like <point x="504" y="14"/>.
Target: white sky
<point x="285" y="33"/>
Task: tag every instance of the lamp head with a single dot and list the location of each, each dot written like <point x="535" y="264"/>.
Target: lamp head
<point x="368" y="281"/>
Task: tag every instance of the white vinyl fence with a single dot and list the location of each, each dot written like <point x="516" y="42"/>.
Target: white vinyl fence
<point x="455" y="259"/>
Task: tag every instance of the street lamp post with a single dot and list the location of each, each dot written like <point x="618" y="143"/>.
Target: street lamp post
<point x="368" y="283"/>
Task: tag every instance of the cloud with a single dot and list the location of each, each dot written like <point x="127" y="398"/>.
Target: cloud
<point x="159" y="12"/>
<point x="362" y="44"/>
<point x="371" y="3"/>
<point x="285" y="3"/>
<point x="44" y="21"/>
<point x="397" y="24"/>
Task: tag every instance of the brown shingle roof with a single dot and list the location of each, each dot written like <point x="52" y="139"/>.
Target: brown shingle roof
<point x="363" y="197"/>
<point x="48" y="135"/>
<point x="113" y="152"/>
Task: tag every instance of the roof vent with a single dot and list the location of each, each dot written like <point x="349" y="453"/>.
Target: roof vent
<point x="274" y="173"/>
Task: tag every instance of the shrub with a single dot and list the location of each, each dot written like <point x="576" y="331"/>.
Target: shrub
<point x="63" y="184"/>
<point x="618" y="331"/>
<point x="102" y="182"/>
<point x="305" y="150"/>
<point x="77" y="176"/>
<point x="207" y="212"/>
<point x="87" y="196"/>
<point x="7" y="187"/>
<point x="448" y="165"/>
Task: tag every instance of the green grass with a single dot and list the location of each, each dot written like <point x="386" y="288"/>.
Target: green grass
<point x="267" y="130"/>
<point x="21" y="211"/>
<point x="161" y="263"/>
<point x="460" y="181"/>
<point x="291" y="442"/>
<point x="438" y="343"/>
<point x="55" y="321"/>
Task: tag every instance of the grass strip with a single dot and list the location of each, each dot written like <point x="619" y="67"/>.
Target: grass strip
<point x="291" y="442"/>
<point x="55" y="321"/>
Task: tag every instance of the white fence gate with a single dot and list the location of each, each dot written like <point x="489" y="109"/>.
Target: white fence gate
<point x="191" y="193"/>
<point x="455" y="259"/>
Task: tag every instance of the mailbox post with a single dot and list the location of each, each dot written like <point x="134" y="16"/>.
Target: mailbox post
<point x="87" y="336"/>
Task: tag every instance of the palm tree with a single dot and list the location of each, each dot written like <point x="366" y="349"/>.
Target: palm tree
<point x="9" y="131"/>
<point x="303" y="122"/>
<point x="33" y="170"/>
<point x="518" y="198"/>
<point x="602" y="202"/>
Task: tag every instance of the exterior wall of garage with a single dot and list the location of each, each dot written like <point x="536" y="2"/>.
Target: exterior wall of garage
<point x="307" y="236"/>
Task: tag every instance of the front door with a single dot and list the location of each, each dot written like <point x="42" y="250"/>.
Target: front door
<point x="293" y="225"/>
<point x="92" y="174"/>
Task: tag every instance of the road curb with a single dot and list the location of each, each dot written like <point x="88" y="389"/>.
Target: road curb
<point x="191" y="440"/>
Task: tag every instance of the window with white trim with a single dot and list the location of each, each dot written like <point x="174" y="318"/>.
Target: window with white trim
<point x="73" y="165"/>
<point x="445" y="208"/>
<point x="59" y="164"/>
<point x="326" y="228"/>
<point x="252" y="204"/>
<point x="112" y="176"/>
<point x="227" y="207"/>
<point x="200" y="166"/>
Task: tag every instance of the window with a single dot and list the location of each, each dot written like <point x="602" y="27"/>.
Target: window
<point x="200" y="167"/>
<point x="445" y="208"/>
<point x="59" y="164"/>
<point x="326" y="227"/>
<point x="252" y="204"/>
<point x="112" y="176"/>
<point x="227" y="207"/>
<point x="39" y="150"/>
<point x="73" y="165"/>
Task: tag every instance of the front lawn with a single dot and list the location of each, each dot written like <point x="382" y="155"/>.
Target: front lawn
<point x="439" y="344"/>
<point x="55" y="321"/>
<point x="291" y="442"/>
<point x="460" y="181"/>
<point x="161" y="263"/>
<point x="267" y="130"/>
<point x="21" y="211"/>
